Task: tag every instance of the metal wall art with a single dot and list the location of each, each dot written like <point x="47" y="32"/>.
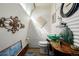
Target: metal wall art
<point x="11" y="24"/>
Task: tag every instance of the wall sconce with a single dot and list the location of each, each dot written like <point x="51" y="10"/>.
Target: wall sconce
<point x="11" y="24"/>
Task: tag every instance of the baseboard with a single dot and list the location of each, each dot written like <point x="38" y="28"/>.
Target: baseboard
<point x="23" y="51"/>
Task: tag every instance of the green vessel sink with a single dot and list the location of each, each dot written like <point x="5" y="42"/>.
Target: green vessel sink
<point x="53" y="37"/>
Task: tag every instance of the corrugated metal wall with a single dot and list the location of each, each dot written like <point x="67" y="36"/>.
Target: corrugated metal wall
<point x="72" y="22"/>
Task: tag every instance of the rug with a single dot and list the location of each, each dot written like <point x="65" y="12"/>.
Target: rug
<point x="31" y="53"/>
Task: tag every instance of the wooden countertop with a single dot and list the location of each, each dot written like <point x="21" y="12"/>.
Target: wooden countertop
<point x="65" y="48"/>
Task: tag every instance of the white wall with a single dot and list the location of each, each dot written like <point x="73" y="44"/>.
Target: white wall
<point x="33" y="35"/>
<point x="7" y="38"/>
<point x="35" y="32"/>
<point x="45" y="12"/>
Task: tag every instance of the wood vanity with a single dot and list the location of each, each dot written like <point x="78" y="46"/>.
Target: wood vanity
<point x="63" y="49"/>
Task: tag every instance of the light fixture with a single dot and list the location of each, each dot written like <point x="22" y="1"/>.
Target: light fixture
<point x="11" y="24"/>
